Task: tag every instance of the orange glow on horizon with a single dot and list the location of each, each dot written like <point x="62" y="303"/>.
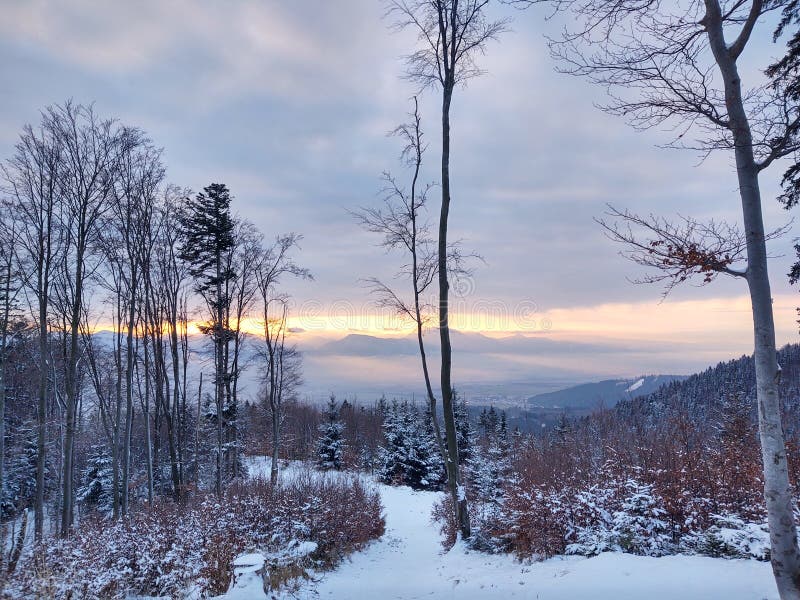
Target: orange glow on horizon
<point x="715" y="318"/>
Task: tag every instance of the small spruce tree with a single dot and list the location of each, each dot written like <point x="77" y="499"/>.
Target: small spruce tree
<point x="97" y="485"/>
<point x="330" y="446"/>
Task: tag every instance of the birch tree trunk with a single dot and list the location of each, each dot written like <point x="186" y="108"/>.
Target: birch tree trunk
<point x="785" y="556"/>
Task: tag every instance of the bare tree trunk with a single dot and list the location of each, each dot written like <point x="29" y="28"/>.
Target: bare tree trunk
<point x="179" y="418"/>
<point x="5" y="318"/>
<point x="785" y="556"/>
<point x="148" y="440"/>
<point x="219" y="382"/>
<point x="71" y="383"/>
<point x="197" y="433"/>
<point x="115" y="458"/>
<point x="43" y="294"/>
<point x="41" y="422"/>
<point x="130" y="358"/>
<point x="418" y="149"/>
<point x="453" y="479"/>
<point x="276" y="433"/>
<point x="126" y="455"/>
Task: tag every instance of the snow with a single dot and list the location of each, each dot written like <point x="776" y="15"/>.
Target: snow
<point x="247" y="582"/>
<point x="408" y="563"/>
<point x="635" y="386"/>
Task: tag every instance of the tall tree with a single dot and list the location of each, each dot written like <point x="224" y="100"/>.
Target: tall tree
<point x="678" y="63"/>
<point x="139" y="174"/>
<point x="91" y="152"/>
<point x="401" y="222"/>
<point x="9" y="290"/>
<point x="207" y="236"/>
<point x="32" y="177"/>
<point x="282" y="361"/>
<point x="452" y="34"/>
<point x="165" y="284"/>
<point x="243" y="258"/>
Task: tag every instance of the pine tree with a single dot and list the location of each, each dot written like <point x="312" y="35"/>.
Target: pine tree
<point x="330" y="446"/>
<point x="391" y="457"/>
<point x="411" y="454"/>
<point x="97" y="481"/>
<point x="640" y="526"/>
<point x="19" y="484"/>
<point x="207" y="236"/>
<point x="465" y="434"/>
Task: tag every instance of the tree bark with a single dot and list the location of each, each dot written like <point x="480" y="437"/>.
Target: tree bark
<point x="453" y="479"/>
<point x="44" y="264"/>
<point x="785" y="556"/>
<point x="71" y="378"/>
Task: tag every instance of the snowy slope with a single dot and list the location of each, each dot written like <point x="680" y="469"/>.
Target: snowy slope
<point x="407" y="563"/>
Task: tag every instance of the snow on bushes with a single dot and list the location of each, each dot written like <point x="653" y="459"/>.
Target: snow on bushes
<point x="637" y="527"/>
<point x="170" y="549"/>
<point x="623" y="482"/>
<point x="619" y="515"/>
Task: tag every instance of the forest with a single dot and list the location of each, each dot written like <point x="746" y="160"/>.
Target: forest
<point x="156" y="437"/>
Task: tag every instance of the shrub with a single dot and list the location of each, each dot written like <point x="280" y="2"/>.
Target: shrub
<point x="170" y="548"/>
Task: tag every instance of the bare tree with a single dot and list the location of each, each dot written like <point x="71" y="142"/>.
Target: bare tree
<point x="91" y="152"/>
<point x="32" y="179"/>
<point x="243" y="258"/>
<point x="9" y="291"/>
<point x="451" y="34"/>
<point x="677" y="63"/>
<point x="401" y="221"/>
<point x="281" y="360"/>
<point x="165" y="280"/>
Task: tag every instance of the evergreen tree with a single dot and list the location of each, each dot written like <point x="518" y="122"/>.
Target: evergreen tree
<point x="390" y="456"/>
<point x="490" y="464"/>
<point x="97" y="481"/>
<point x="19" y="484"/>
<point x="411" y="454"/>
<point x="207" y="237"/>
<point x="330" y="445"/>
<point x="465" y="434"/>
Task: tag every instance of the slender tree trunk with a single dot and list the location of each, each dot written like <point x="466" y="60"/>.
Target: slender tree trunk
<point x="197" y="433"/>
<point x="115" y="458"/>
<point x="785" y="556"/>
<point x="71" y="384"/>
<point x="126" y="455"/>
<point x="453" y="479"/>
<point x="3" y="408"/>
<point x="416" y="278"/>
<point x="176" y="399"/>
<point x="219" y="382"/>
<point x="129" y="367"/>
<point x="4" y="325"/>
<point x="148" y="436"/>
<point x="43" y="274"/>
<point x="276" y="433"/>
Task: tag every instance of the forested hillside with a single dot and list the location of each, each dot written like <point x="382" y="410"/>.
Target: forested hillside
<point x="703" y="396"/>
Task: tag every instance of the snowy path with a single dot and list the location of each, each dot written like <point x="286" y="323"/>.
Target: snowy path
<point x="407" y="564"/>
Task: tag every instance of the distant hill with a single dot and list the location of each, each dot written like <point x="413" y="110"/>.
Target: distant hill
<point x="702" y="395"/>
<point x="356" y="344"/>
<point x="606" y="394"/>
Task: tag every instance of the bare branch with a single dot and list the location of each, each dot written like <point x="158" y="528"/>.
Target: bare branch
<point x="681" y="250"/>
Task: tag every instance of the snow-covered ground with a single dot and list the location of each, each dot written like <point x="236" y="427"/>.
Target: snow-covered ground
<point x="407" y="563"/>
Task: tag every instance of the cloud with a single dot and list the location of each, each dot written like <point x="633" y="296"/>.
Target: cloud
<point x="289" y="103"/>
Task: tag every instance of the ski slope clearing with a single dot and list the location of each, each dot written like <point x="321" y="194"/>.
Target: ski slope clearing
<point x="408" y="563"/>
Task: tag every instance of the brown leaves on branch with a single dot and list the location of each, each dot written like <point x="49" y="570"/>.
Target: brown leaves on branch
<point x="679" y="250"/>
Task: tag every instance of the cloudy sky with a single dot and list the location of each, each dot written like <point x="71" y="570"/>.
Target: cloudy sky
<point x="289" y="104"/>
